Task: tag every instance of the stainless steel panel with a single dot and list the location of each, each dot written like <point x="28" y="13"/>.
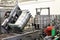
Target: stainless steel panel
<point x="23" y="20"/>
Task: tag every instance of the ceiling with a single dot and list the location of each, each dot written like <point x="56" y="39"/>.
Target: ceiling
<point x="14" y="1"/>
<point x="18" y="0"/>
<point x="7" y="3"/>
<point x="11" y="2"/>
<point x="26" y="0"/>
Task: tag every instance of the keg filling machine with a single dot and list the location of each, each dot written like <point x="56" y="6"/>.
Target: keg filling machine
<point x="14" y="30"/>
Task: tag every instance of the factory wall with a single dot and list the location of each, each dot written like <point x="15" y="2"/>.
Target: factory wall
<point x="31" y="6"/>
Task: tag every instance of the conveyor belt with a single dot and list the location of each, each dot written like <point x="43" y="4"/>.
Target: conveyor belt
<point x="34" y="33"/>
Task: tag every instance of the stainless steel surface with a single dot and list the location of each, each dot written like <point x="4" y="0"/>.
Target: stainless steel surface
<point x="11" y="14"/>
<point x="6" y="21"/>
<point x="22" y="20"/>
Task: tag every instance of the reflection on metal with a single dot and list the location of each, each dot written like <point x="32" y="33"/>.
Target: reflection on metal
<point x="29" y="26"/>
<point x="22" y="20"/>
<point x="11" y="14"/>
